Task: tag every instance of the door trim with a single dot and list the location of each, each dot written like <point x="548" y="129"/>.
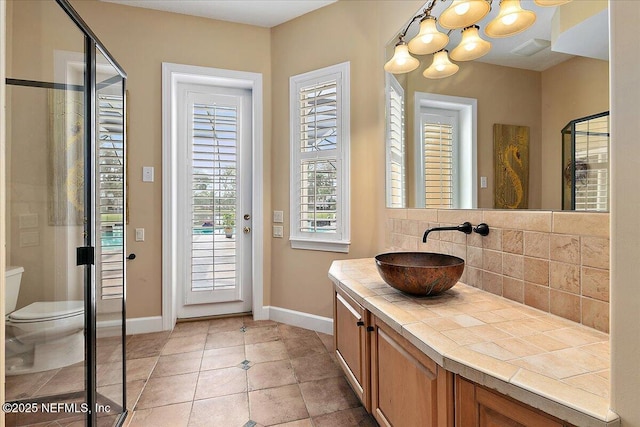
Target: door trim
<point x="172" y="75"/>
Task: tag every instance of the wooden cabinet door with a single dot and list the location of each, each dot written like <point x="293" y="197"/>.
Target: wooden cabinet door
<point x="479" y="407"/>
<point x="407" y="388"/>
<point x="350" y="336"/>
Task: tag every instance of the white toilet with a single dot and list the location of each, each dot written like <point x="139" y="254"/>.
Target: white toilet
<point x="42" y="335"/>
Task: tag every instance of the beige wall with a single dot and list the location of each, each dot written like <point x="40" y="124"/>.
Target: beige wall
<point x="140" y="40"/>
<point x="354" y="31"/>
<point x="625" y="202"/>
<point x="572" y="89"/>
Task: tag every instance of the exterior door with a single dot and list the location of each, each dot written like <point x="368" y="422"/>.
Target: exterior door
<point x="214" y="200"/>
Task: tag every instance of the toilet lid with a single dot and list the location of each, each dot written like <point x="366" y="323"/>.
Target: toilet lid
<point x="47" y="310"/>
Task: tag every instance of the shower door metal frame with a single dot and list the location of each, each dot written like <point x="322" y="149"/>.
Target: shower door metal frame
<point x="86" y="253"/>
<point x="92" y="43"/>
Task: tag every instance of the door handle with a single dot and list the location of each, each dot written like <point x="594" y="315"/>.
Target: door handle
<point x="246" y="230"/>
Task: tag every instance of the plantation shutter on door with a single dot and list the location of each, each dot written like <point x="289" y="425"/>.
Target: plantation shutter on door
<point x="438" y="146"/>
<point x="111" y="194"/>
<point x="214" y="189"/>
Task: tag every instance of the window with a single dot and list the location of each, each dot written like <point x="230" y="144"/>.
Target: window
<point x="445" y="151"/>
<point x="395" y="151"/>
<point x="319" y="102"/>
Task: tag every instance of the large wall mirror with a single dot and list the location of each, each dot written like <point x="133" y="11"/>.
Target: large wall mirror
<point x="449" y="140"/>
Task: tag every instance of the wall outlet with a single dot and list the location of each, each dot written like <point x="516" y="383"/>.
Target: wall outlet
<point x="278" y="231"/>
<point x="278" y="216"/>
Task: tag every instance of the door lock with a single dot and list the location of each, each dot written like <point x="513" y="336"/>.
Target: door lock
<point x="247" y="217"/>
<point x="246" y="230"/>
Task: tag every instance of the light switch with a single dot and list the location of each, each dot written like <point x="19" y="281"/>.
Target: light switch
<point x="278" y="216"/>
<point x="147" y="174"/>
<point x="139" y="234"/>
<point x="278" y="231"/>
<point x="483" y="182"/>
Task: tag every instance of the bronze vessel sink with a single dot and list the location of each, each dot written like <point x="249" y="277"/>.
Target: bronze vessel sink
<point x="419" y="273"/>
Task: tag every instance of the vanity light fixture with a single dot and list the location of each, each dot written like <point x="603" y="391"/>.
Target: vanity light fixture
<point x="429" y="38"/>
<point x="402" y="61"/>
<point x="441" y="67"/>
<point x="511" y="20"/>
<point x="550" y="3"/>
<point x="461" y="14"/>
<point x="471" y="47"/>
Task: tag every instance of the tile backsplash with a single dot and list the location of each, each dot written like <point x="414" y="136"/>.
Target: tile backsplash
<point x="557" y="262"/>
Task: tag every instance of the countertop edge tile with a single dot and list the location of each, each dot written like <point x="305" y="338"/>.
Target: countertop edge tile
<point x="475" y="365"/>
<point x="589" y="411"/>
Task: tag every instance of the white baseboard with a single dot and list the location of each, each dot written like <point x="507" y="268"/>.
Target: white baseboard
<point x="301" y="320"/>
<point x="144" y="325"/>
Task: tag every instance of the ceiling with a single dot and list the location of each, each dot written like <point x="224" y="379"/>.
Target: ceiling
<point x="269" y="13"/>
<point x="262" y="13"/>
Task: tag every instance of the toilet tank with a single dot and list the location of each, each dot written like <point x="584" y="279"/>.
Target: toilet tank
<point x="13" y="276"/>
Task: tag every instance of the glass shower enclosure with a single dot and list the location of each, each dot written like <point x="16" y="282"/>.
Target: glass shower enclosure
<point x="65" y="220"/>
<point x="585" y="160"/>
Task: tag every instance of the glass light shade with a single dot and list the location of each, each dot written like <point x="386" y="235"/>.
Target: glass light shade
<point x="550" y="3"/>
<point x="429" y="39"/>
<point x="511" y="20"/>
<point x="463" y="13"/>
<point x="441" y="67"/>
<point x="402" y="61"/>
<point x="471" y="46"/>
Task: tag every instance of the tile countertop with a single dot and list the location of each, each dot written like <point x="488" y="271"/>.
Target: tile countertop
<point x="547" y="362"/>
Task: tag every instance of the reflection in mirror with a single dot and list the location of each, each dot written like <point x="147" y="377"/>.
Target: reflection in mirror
<point x="585" y="156"/>
<point x="549" y="74"/>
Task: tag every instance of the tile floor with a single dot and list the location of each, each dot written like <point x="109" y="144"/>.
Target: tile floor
<point x="230" y="372"/>
<point x="238" y="372"/>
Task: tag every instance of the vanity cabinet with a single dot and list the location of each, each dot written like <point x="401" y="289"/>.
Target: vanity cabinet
<point x="402" y="387"/>
<point x="407" y="387"/>
<point x="350" y="337"/>
<point x="477" y="406"/>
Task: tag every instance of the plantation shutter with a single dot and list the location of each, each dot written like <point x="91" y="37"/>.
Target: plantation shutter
<point x="396" y="197"/>
<point x="214" y="161"/>
<point x="438" y="151"/>
<point x="111" y="194"/>
<point x="318" y="194"/>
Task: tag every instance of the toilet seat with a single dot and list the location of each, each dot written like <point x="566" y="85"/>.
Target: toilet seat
<point x="47" y="311"/>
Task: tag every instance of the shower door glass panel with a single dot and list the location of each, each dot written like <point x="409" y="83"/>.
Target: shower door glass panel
<point x="109" y="181"/>
<point x="46" y="214"/>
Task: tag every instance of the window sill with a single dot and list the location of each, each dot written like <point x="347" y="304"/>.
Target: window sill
<point x="341" y="246"/>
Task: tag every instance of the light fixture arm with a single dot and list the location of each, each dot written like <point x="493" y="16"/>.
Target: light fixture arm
<point x="426" y="12"/>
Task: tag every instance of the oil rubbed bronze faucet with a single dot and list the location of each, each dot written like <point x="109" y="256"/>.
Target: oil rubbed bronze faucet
<point x="465" y="227"/>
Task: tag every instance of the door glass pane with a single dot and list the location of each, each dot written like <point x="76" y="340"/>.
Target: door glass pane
<point x="214" y="158"/>
<point x="110" y="227"/>
<point x="45" y="215"/>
